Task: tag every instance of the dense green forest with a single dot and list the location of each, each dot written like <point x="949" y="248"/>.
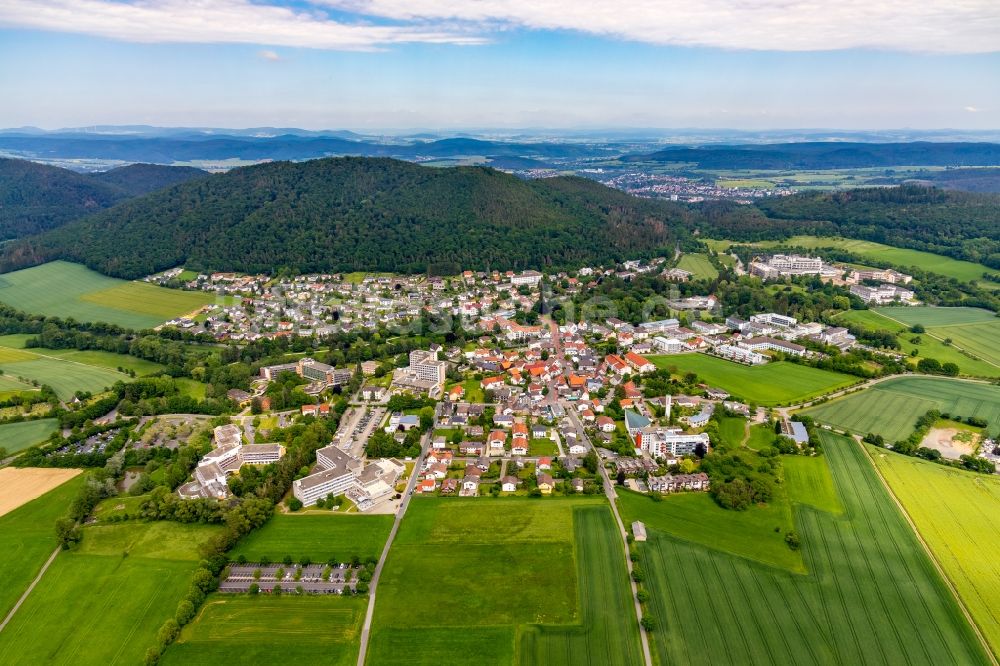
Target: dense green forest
<point x="138" y="179"/>
<point x="363" y="214"/>
<point x="36" y="197"/>
<point x="962" y="225"/>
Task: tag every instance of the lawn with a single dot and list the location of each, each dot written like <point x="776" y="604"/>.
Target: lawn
<point x="699" y="266"/>
<point x="732" y="429"/>
<point x="930" y="317"/>
<point x="27" y="538"/>
<point x="542" y="447"/>
<point x="761" y="435"/>
<point x="491" y="569"/>
<point x="958" y="515"/>
<point x="318" y="536"/>
<point x="103" y="603"/>
<point x="775" y="383"/>
<point x="240" y="629"/>
<point x="696" y="518"/>
<point x="103" y="359"/>
<point x="16" y="437"/>
<point x="892" y="407"/>
<point x="64" y="289"/>
<point x="972" y="329"/>
<point x="871" y="595"/>
<point x="930" y="346"/>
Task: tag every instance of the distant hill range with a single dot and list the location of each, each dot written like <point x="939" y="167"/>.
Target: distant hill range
<point x="35" y="197"/>
<point x="342" y="214"/>
<point x="828" y="155"/>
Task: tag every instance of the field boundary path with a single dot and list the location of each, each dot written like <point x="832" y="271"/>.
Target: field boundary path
<point x="609" y="491"/>
<point x="407" y="495"/>
<point x="31" y="587"/>
<point x="930" y="553"/>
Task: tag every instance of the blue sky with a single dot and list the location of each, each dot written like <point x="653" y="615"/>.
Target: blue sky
<point x="377" y="64"/>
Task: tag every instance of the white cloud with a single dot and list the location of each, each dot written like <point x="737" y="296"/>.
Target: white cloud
<point x="269" y="55"/>
<point x="937" y="26"/>
<point x="214" y="21"/>
<point x="972" y="109"/>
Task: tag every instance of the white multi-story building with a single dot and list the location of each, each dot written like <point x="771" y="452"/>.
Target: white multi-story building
<point x="342" y="474"/>
<point x="786" y="264"/>
<point x="530" y="278"/>
<point x="425" y="365"/>
<point x="774" y="319"/>
<point x="740" y="354"/>
<point x="884" y="293"/>
<point x="662" y="442"/>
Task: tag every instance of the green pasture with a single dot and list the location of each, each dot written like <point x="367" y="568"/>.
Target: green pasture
<point x="516" y="568"/>
<point x="318" y="536"/>
<point x="63" y="289"/>
<point x="289" y="629"/>
<point x="103" y="603"/>
<point x="699" y="265"/>
<point x="27" y="538"/>
<point x="774" y="383"/>
<point x="931" y="343"/>
<point x="958" y="515"/>
<point x="892" y="407"/>
<point x="871" y="595"/>
<point x="932" y="317"/>
<point x="696" y="518"/>
<point x="16" y="437"/>
<point x="808" y="481"/>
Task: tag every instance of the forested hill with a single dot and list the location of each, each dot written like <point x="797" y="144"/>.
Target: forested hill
<point x="963" y="225"/>
<point x="138" y="179"/>
<point x="344" y="214"/>
<point x="36" y="197"/>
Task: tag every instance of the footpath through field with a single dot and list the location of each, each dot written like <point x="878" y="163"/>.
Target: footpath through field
<point x="24" y="596"/>
<point x="609" y="490"/>
<point x="407" y="495"/>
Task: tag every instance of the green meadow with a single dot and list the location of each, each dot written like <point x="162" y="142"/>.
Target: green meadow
<point x="289" y="629"/>
<point x="16" y="437"/>
<point x="480" y="581"/>
<point x="774" y="383"/>
<point x="318" y="536"/>
<point x="28" y="537"/>
<point x="67" y="370"/>
<point x="63" y="289"/>
<point x="699" y="265"/>
<point x="892" y="407"/>
<point x="104" y="602"/>
<point x="870" y="595"/>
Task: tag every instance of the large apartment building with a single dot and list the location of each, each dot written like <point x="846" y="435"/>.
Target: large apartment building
<point x="663" y="442"/>
<point x="424" y="364"/>
<point x="343" y="474"/>
<point x="228" y="456"/>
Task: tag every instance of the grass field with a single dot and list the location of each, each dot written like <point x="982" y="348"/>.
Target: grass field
<point x="808" y="482"/>
<point x="699" y="266"/>
<point x="931" y="317"/>
<point x="761" y="435"/>
<point x="492" y="569"/>
<point x="892" y="407"/>
<point x="775" y="383"/>
<point x="966" y="271"/>
<point x="696" y="518"/>
<point x="27" y="538"/>
<point x="18" y="436"/>
<point x="929" y="346"/>
<point x="68" y="370"/>
<point x="871" y="596"/>
<point x="103" y="603"/>
<point x="271" y="630"/>
<point x="972" y="329"/>
<point x="318" y="536"/>
<point x="958" y="515"/>
<point x="63" y="289"/>
<point x="732" y="429"/>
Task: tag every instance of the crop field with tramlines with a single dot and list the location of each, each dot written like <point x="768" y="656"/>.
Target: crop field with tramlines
<point x="318" y="536"/>
<point x="63" y="289"/>
<point x="958" y="515"/>
<point x="486" y="581"/>
<point x="871" y="594"/>
<point x="892" y="407"/>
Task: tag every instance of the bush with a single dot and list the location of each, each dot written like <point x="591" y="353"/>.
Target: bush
<point x="647" y="623"/>
<point x="792" y="539"/>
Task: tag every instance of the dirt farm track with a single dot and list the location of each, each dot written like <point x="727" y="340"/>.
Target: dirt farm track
<point x="20" y="486"/>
